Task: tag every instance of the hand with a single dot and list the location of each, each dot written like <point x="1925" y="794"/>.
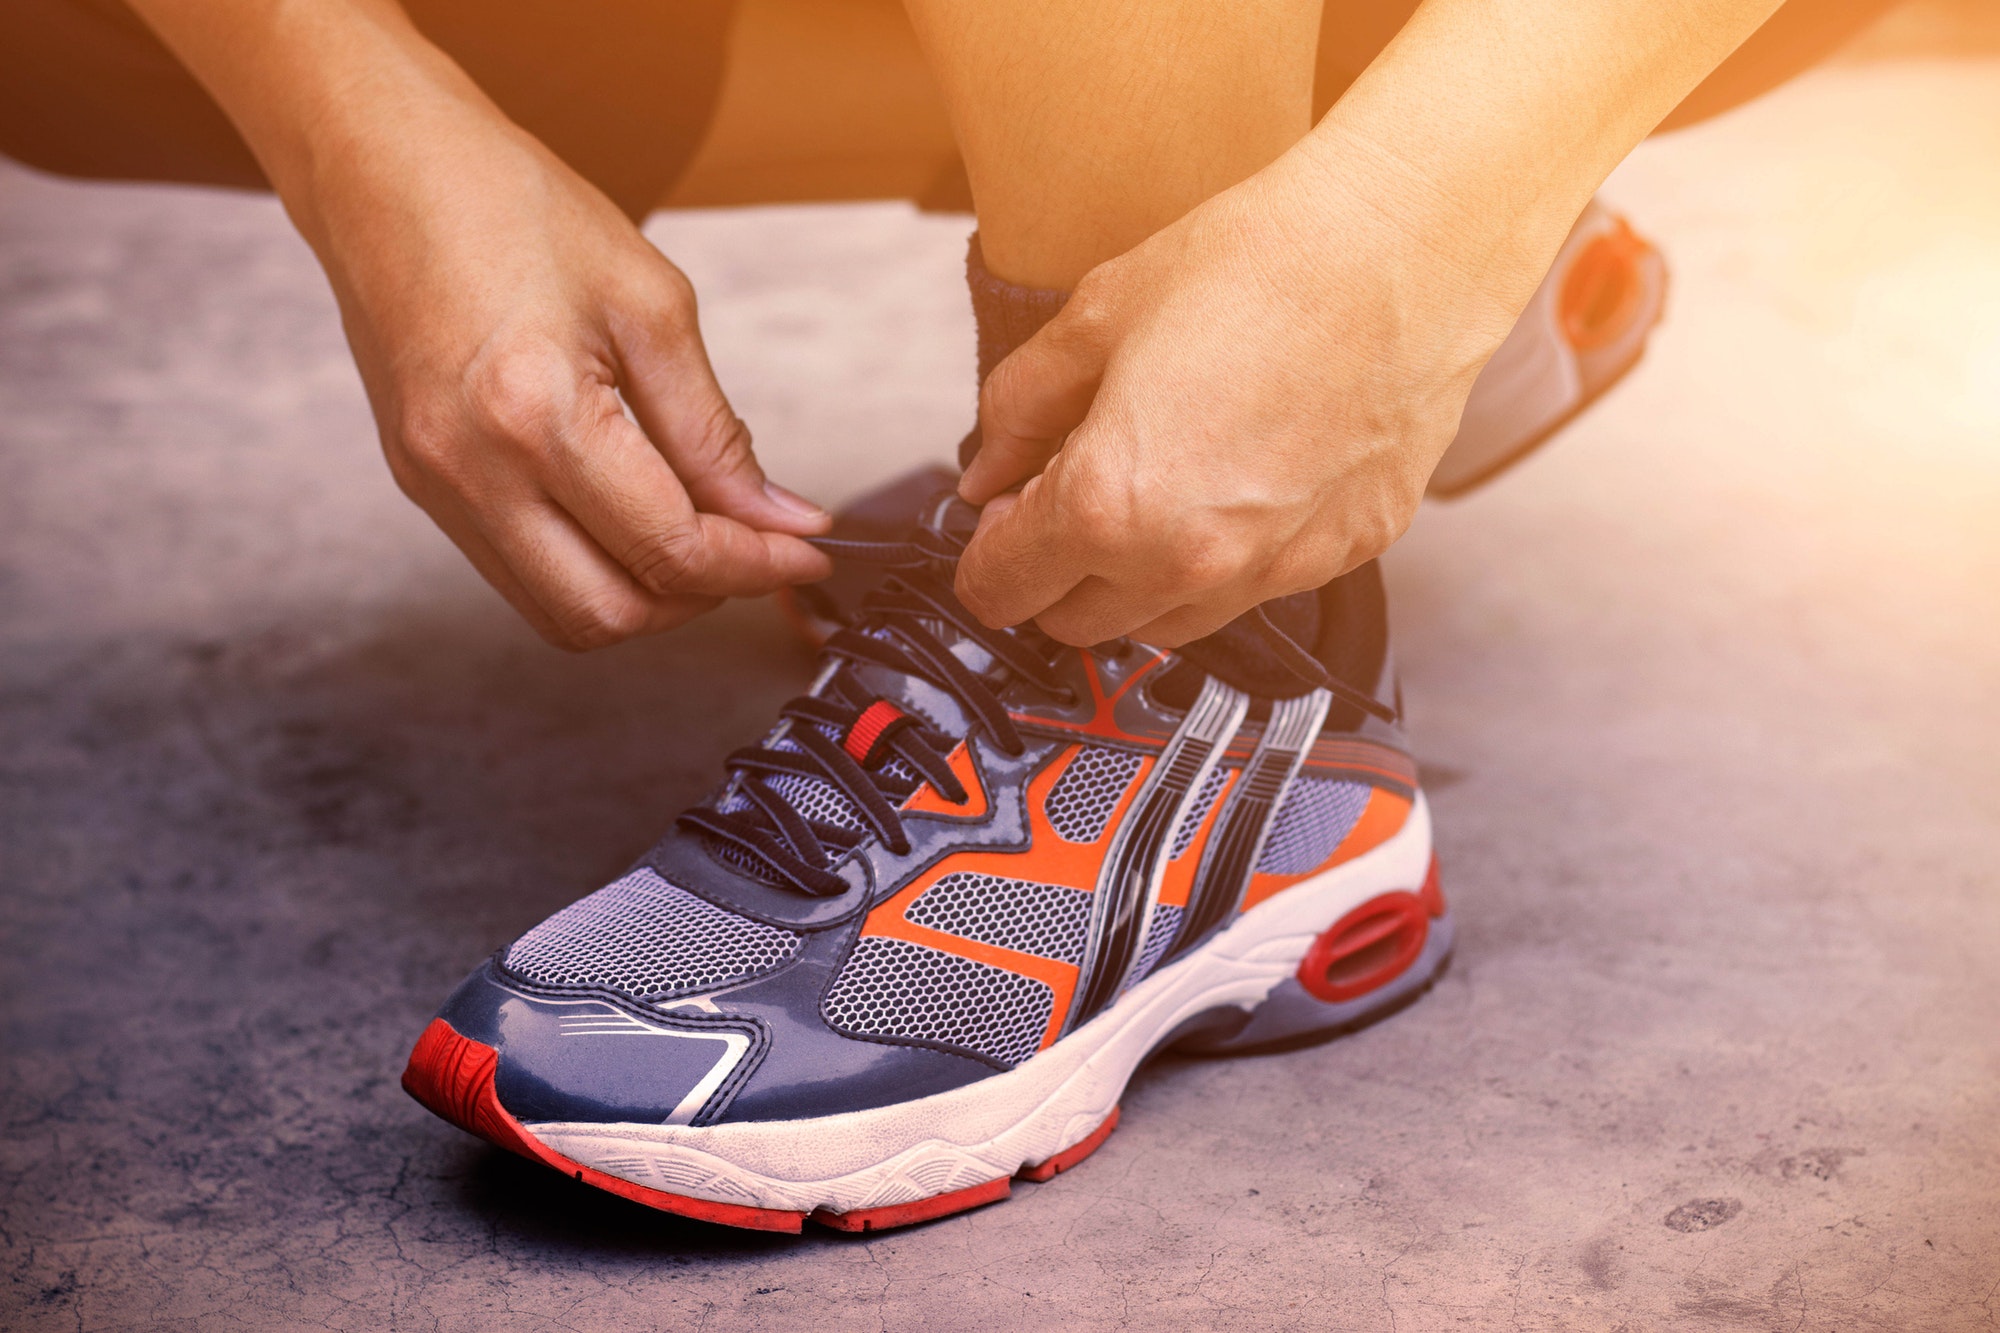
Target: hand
<point x="1248" y="404"/>
<point x="503" y="314"/>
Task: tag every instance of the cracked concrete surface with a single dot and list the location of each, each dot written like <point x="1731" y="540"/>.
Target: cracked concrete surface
<point x="1706" y="694"/>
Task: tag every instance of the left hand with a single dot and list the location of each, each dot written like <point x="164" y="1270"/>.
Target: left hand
<point x="1248" y="404"/>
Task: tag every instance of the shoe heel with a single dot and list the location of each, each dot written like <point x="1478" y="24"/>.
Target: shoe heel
<point x="1372" y="961"/>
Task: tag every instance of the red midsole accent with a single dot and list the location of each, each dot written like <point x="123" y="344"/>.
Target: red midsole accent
<point x="1432" y="894"/>
<point x="1366" y="949"/>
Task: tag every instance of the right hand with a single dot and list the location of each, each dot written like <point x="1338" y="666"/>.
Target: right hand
<point x="499" y="308"/>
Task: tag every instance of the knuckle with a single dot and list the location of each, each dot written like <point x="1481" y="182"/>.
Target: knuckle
<point x="1304" y="564"/>
<point x="600" y="621"/>
<point x="722" y="439"/>
<point x="665" y="288"/>
<point x="1100" y="514"/>
<point x="663" y="561"/>
<point x="662" y="311"/>
<point x="425" y="439"/>
<point x="518" y="397"/>
<point x="1203" y="556"/>
<point x="1088" y="312"/>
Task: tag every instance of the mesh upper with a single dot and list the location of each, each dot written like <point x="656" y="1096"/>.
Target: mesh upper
<point x="1211" y="788"/>
<point x="1083" y="798"/>
<point x="1046" y="919"/>
<point x="817" y="800"/>
<point x="645" y="938"/>
<point x="1316" y="815"/>
<point x="893" y="988"/>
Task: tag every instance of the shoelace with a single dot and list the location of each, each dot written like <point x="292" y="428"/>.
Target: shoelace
<point x="873" y="734"/>
<point x="883" y="754"/>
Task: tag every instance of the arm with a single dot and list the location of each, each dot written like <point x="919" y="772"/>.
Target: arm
<point x="498" y="307"/>
<point x="1248" y="403"/>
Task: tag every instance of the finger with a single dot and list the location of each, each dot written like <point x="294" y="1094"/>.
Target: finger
<point x="621" y="491"/>
<point x="1099" y="609"/>
<point x="558" y="615"/>
<point x="1023" y="557"/>
<point x="1183" y="625"/>
<point x="589" y="599"/>
<point x="665" y="374"/>
<point x="1032" y="401"/>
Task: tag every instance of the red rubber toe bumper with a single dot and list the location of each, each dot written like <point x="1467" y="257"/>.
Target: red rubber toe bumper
<point x="452" y="1076"/>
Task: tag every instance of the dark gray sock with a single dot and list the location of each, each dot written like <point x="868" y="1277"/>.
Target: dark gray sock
<point x="1006" y="315"/>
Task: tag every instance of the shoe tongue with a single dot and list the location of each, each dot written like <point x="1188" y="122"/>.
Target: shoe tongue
<point x="1241" y="652"/>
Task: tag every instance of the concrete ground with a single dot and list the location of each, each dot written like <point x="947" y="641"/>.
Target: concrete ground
<point x="1706" y="695"/>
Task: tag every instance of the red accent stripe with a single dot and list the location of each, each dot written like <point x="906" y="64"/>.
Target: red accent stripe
<point x="875" y="719"/>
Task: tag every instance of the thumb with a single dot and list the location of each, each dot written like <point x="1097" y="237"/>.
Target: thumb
<point x="1017" y="566"/>
<point x="1035" y="398"/>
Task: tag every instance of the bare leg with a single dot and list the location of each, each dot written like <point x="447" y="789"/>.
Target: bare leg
<point x="1087" y="127"/>
<point x="835" y="99"/>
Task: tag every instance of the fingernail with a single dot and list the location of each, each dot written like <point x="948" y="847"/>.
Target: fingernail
<point x="798" y="504"/>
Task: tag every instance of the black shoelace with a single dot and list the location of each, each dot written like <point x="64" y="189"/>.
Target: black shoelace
<point x="882" y="754"/>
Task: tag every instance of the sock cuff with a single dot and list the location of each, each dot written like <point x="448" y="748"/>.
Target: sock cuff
<point x="1006" y="313"/>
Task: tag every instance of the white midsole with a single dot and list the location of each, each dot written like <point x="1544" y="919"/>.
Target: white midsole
<point x="992" y="1128"/>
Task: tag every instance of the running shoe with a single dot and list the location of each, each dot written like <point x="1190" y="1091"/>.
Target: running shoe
<point x="1585" y="327"/>
<point x="916" y="941"/>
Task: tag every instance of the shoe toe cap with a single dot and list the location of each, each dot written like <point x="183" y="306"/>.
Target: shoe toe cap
<point x="582" y="1058"/>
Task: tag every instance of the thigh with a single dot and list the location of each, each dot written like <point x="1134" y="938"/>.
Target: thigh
<point x="622" y="90"/>
<point x="87" y="90"/>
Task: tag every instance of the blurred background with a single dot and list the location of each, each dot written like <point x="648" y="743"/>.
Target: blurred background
<point x="1705" y="693"/>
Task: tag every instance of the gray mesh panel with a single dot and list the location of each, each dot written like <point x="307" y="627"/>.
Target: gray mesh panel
<point x="1046" y="919"/>
<point x="1203" y="801"/>
<point x="1089" y="789"/>
<point x="1316" y="815"/>
<point x="818" y="801"/>
<point x="738" y="858"/>
<point x="892" y="988"/>
<point x="645" y="937"/>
